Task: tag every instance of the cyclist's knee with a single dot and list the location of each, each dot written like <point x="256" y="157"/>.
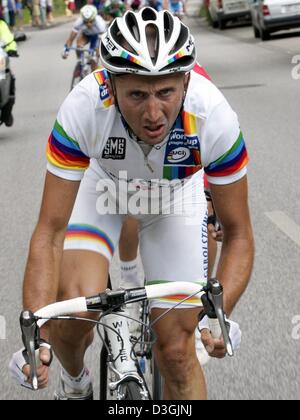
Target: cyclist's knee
<point x="177" y="359"/>
<point x="83" y="273"/>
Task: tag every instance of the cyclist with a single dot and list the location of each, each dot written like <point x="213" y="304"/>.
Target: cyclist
<point x="147" y="113"/>
<point x="87" y="29"/>
<point x="113" y="9"/>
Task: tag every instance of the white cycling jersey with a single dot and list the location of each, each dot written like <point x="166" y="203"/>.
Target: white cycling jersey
<point x="206" y="135"/>
<point x="99" y="27"/>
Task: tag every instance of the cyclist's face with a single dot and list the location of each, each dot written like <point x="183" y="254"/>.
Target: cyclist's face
<point x="150" y="105"/>
<point x="89" y="23"/>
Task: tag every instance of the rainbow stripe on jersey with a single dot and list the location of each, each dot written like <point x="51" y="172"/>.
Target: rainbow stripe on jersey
<point x="101" y="76"/>
<point x="231" y="162"/>
<point x="64" y="152"/>
<point x="83" y="233"/>
<point x="178" y="298"/>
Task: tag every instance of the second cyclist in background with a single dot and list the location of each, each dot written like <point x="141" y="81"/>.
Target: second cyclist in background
<point x="86" y="30"/>
<point x="113" y="9"/>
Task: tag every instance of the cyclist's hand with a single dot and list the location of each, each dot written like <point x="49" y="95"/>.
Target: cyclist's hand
<point x="65" y="53"/>
<point x="216" y="347"/>
<point x="215" y="232"/>
<point x="20" y="370"/>
<point x="214" y="227"/>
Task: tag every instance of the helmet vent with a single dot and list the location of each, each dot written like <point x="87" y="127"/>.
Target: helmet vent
<point x="153" y="42"/>
<point x="119" y="38"/>
<point x="148" y="14"/>
<point x="168" y="25"/>
<point x="184" y="33"/>
<point x="132" y="25"/>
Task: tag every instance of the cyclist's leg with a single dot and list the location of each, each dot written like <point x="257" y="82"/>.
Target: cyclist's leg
<point x="94" y="46"/>
<point x="128" y="250"/>
<point x="81" y="42"/>
<point x="174" y="248"/>
<point x="175" y="352"/>
<point x="90" y="243"/>
<point x="129" y="240"/>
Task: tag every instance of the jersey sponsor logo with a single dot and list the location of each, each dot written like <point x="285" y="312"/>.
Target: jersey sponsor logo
<point x="115" y="148"/>
<point x="104" y="94"/>
<point x="179" y="155"/>
<point x="181" y="149"/>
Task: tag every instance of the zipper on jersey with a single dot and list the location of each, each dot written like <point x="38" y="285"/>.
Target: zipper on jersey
<point x="147" y="163"/>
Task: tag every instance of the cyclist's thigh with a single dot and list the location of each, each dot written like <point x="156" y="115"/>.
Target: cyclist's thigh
<point x="173" y="249"/>
<point x="94" y="42"/>
<point x="90" y="243"/>
<point x="82" y="40"/>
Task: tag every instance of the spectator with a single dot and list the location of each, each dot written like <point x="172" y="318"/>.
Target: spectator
<point x="43" y="13"/>
<point x="49" y="12"/>
<point x="12" y="11"/>
<point x="36" y="13"/>
<point x="70" y="7"/>
<point x="5" y="14"/>
<point x="20" y="15"/>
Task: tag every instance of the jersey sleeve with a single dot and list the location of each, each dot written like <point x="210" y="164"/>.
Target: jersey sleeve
<point x="101" y="25"/>
<point x="224" y="153"/>
<point x="77" y="25"/>
<point x="68" y="151"/>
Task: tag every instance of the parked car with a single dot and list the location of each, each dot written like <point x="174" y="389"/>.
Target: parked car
<point x="223" y="11"/>
<point x="274" y="15"/>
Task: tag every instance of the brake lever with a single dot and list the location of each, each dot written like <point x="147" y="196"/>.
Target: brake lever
<point x="30" y="337"/>
<point x="214" y="292"/>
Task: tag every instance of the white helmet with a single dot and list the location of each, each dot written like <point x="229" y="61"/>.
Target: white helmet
<point x="88" y="13"/>
<point x="148" y="43"/>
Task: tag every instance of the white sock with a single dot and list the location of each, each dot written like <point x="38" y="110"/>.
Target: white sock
<point x="129" y="274"/>
<point x="80" y="383"/>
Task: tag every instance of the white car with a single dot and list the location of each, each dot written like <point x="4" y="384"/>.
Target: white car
<point x="223" y="11"/>
<point x="274" y="15"/>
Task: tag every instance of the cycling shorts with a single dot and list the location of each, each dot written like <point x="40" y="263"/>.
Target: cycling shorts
<point x="173" y="247"/>
<point x="93" y="41"/>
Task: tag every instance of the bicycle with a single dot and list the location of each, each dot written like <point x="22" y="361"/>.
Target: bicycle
<point x="121" y="357"/>
<point x="87" y="57"/>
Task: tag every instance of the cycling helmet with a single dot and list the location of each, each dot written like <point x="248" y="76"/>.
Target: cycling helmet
<point x="88" y="13"/>
<point x="148" y="43"/>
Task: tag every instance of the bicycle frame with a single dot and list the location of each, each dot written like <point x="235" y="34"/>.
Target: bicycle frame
<point x="122" y="365"/>
<point x="83" y="62"/>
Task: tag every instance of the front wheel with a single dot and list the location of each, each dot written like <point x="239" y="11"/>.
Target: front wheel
<point x="77" y="75"/>
<point x="133" y="392"/>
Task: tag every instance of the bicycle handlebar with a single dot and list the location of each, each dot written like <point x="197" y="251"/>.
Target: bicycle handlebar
<point x="84" y="50"/>
<point x="211" y="297"/>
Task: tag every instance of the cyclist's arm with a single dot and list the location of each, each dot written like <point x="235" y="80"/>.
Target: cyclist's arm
<point x="235" y="266"/>
<point x="71" y="39"/>
<point x="42" y="271"/>
<point x="225" y="158"/>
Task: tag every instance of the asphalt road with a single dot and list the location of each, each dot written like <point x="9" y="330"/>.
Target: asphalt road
<point x="257" y="79"/>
